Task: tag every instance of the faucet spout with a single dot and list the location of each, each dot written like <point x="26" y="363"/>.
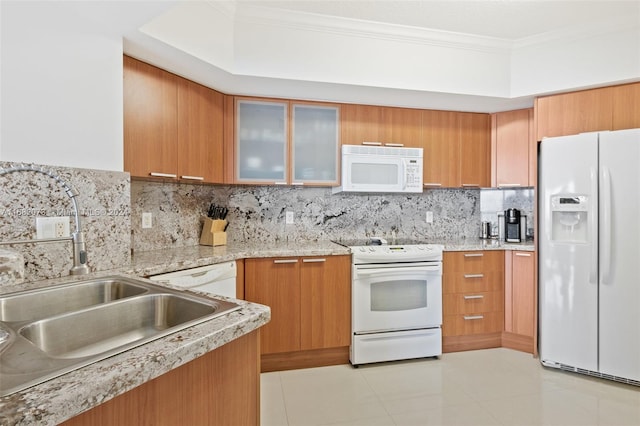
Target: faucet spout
<point x="80" y="266"/>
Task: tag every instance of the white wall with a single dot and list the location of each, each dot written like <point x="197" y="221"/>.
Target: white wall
<point x="61" y="88"/>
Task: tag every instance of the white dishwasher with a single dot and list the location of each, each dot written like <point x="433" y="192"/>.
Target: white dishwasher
<point x="219" y="278"/>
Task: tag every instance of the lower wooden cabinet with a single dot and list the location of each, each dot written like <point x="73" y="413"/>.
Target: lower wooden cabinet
<point x="221" y="387"/>
<point x="310" y="301"/>
<point x="520" y="300"/>
<point x="473" y="297"/>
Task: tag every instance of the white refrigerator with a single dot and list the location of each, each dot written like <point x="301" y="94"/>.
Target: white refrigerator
<point x="589" y="254"/>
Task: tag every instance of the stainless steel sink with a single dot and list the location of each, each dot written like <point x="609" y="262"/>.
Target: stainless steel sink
<point x="35" y="304"/>
<point x="93" y="320"/>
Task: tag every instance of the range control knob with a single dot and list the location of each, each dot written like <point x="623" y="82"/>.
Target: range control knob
<point x="362" y="249"/>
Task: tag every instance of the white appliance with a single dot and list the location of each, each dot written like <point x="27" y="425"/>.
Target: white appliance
<point x="218" y="279"/>
<point x="589" y="267"/>
<point x="381" y="169"/>
<point x="396" y="302"/>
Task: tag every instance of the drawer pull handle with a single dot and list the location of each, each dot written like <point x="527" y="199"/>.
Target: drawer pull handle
<point x="394" y="144"/>
<point x="372" y="143"/>
<point x="297" y="183"/>
<point x="432" y="184"/>
<point x="285" y="261"/>
<point x="523" y="254"/>
<point x="508" y="185"/>
<point x="165" y="175"/>
<point x="473" y="254"/>
<point x="478" y="296"/>
<point x="313" y="260"/>
<point x="471" y="185"/>
<point x="279" y="183"/>
<point x="191" y="177"/>
<point x="473" y="317"/>
<point x="474" y="275"/>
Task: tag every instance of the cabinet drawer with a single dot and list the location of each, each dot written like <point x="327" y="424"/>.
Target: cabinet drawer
<point x="483" y="281"/>
<point x="473" y="261"/>
<point x="475" y="323"/>
<point x="467" y="303"/>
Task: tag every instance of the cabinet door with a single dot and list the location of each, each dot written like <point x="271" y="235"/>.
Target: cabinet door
<point x="315" y="143"/>
<point x="200" y="133"/>
<point x="261" y="141"/>
<point x="475" y="149"/>
<point x="510" y="137"/>
<point x="150" y="120"/>
<point x="522" y="293"/>
<point x="573" y="113"/>
<point x="626" y="106"/>
<point x="441" y="143"/>
<point x="275" y="283"/>
<point x="402" y="127"/>
<point x="325" y="302"/>
<point x="360" y="123"/>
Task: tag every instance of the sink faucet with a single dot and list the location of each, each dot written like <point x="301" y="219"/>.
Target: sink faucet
<point x="77" y="238"/>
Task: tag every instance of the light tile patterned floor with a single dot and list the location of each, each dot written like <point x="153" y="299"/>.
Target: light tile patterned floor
<point x="488" y="387"/>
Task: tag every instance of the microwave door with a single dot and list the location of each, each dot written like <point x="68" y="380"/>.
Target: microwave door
<point x="371" y="174"/>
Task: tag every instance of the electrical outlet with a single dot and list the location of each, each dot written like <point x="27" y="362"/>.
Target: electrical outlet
<point x="289" y="218"/>
<point x="52" y="227"/>
<point x="147" y="220"/>
<point x="429" y="217"/>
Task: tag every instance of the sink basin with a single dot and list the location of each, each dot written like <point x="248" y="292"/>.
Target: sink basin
<point x="103" y="328"/>
<point x="49" y="332"/>
<point x="36" y="304"/>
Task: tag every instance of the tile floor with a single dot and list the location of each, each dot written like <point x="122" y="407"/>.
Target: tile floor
<point x="488" y="387"/>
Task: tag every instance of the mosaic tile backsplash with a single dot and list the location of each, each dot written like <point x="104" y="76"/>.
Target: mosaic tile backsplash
<point x="105" y="214"/>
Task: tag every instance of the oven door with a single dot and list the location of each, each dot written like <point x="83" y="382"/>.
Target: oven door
<point x="400" y="296"/>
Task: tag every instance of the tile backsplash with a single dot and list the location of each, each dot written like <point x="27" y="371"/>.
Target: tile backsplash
<point x="494" y="201"/>
<point x="104" y="199"/>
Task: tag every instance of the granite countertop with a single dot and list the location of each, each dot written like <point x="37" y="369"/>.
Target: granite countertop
<point x="61" y="398"/>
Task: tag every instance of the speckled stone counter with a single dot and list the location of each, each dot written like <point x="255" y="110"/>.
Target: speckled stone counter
<point x="479" y="244"/>
<point x="66" y="396"/>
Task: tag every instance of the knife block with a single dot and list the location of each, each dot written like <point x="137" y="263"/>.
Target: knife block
<point x="213" y="233"/>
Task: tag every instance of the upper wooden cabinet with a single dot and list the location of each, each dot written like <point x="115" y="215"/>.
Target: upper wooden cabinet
<point x="286" y="142"/>
<point x="475" y="150"/>
<point x="384" y="126"/>
<point x="626" y="106"/>
<point x="173" y="128"/>
<point x="441" y="143"/>
<point x="511" y="141"/>
<point x="608" y="108"/>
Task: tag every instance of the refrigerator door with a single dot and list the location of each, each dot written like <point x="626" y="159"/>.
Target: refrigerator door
<point x="568" y="256"/>
<point x="619" y="318"/>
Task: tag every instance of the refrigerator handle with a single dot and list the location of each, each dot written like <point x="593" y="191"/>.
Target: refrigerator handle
<point x="593" y="224"/>
<point x="606" y="225"/>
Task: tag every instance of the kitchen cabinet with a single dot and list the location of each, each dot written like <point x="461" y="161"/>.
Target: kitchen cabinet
<point x="473" y="300"/>
<point x="573" y="113"/>
<point x="173" y="127"/>
<point x="626" y="106"/>
<point x="361" y="123"/>
<point x="520" y="300"/>
<point x="510" y="149"/>
<point x="383" y="126"/>
<point x="222" y="387"/>
<point x="475" y="150"/>
<point x="310" y="301"/>
<point x="285" y="142"/>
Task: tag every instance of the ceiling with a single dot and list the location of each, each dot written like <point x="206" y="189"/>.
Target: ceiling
<point x="250" y="47"/>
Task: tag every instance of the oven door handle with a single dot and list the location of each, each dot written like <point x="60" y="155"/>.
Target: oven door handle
<point x="388" y="271"/>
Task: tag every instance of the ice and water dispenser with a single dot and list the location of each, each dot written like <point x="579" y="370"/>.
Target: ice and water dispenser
<point x="569" y="218"/>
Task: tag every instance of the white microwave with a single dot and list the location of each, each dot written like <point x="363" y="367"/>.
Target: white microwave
<point x="380" y="169"/>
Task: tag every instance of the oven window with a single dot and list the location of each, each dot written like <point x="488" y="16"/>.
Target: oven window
<point x="369" y="173"/>
<point x="398" y="295"/>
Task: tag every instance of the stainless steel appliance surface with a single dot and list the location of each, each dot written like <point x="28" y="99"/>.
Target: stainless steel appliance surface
<point x="396" y="300"/>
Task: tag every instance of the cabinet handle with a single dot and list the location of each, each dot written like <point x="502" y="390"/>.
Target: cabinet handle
<point x="473" y="254"/>
<point x="279" y="183"/>
<point x="508" y="185"/>
<point x="297" y="183"/>
<point x="167" y="175"/>
<point x="473" y="317"/>
<point x="313" y="260"/>
<point x="474" y="275"/>
<point x="475" y="296"/>
<point x="394" y="144"/>
<point x="372" y="143"/>
<point x="432" y="184"/>
<point x="285" y="261"/>
<point x="470" y="185"/>
<point x="523" y="254"/>
<point x="192" y="177"/>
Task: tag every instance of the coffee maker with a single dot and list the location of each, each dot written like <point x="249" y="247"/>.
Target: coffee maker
<point x="512" y="226"/>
